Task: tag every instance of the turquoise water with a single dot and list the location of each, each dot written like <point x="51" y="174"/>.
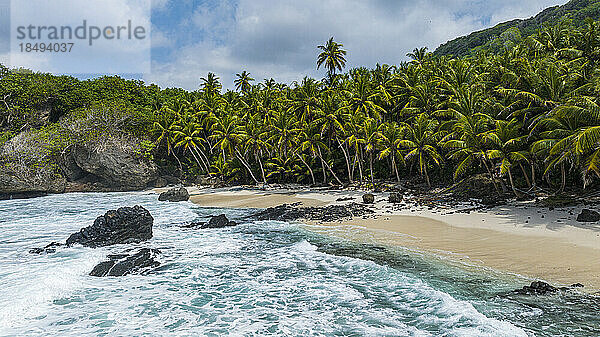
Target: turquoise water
<point x="257" y="279"/>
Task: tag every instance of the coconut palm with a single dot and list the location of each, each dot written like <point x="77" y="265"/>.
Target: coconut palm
<point x="422" y="137"/>
<point x="242" y="83"/>
<point x="332" y="56"/>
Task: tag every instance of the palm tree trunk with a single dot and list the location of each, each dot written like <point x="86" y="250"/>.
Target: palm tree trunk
<point x="395" y="167"/>
<point x="323" y="162"/>
<point x="323" y="168"/>
<point x="331" y="170"/>
<point x="347" y="160"/>
<point x="491" y="176"/>
<point x="353" y="163"/>
<point x="533" y="180"/>
<point x="371" y="168"/>
<point x="360" y="170"/>
<point x="194" y="155"/>
<point x="512" y="184"/>
<point x="312" y="175"/>
<point x="178" y="162"/>
<point x="262" y="170"/>
<point x="563" y="178"/>
<point x="241" y="159"/>
<point x="526" y="176"/>
<point x="427" y="176"/>
<point x="199" y="153"/>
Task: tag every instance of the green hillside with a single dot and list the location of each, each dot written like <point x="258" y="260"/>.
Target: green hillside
<point x="577" y="10"/>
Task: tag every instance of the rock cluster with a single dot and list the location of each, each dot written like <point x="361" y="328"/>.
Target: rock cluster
<point x="543" y="288"/>
<point x="176" y="194"/>
<point x="587" y="215"/>
<point x="125" y="225"/>
<point x="124" y="264"/>
<point x="395" y="198"/>
<point x="368" y="198"/>
<point x="327" y="214"/>
<point x="219" y="221"/>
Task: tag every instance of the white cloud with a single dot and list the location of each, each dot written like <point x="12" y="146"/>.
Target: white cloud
<point x="278" y="38"/>
<point x="106" y="56"/>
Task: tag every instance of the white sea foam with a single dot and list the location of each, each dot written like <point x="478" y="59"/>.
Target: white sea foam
<point x="253" y="280"/>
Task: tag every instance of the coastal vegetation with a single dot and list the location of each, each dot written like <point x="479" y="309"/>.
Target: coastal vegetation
<point x="526" y="114"/>
<point x="493" y="38"/>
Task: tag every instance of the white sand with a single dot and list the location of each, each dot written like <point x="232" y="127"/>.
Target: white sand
<point x="523" y="239"/>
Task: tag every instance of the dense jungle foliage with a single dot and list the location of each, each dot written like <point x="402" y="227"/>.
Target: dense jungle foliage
<point x="576" y="10"/>
<point x="527" y="116"/>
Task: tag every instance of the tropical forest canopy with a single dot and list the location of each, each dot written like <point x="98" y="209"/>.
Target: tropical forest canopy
<point x="526" y="115"/>
<point x="514" y="30"/>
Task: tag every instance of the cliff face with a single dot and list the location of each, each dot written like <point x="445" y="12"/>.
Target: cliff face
<point x="29" y="170"/>
<point x="577" y="10"/>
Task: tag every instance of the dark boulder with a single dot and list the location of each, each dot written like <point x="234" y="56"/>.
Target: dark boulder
<point x="395" y="198"/>
<point x="543" y="288"/>
<point x="368" y="198"/>
<point x="587" y="215"/>
<point x="125" y="225"/>
<point x="219" y="221"/>
<point x="124" y="264"/>
<point x="176" y="194"/>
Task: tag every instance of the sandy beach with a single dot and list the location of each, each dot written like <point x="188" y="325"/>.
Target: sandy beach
<point x="522" y="239"/>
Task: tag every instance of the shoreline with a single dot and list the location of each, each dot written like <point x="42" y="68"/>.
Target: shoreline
<point x="523" y="239"/>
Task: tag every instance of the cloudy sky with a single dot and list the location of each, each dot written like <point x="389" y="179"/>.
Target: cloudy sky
<point x="278" y="38"/>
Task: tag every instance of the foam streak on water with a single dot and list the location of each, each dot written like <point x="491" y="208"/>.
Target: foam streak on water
<point x="257" y="279"/>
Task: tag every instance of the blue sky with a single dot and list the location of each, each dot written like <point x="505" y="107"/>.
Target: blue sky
<point x="278" y="38"/>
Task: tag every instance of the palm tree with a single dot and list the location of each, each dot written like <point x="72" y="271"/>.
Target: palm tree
<point x="390" y="138"/>
<point x="210" y="84"/>
<point x="226" y="131"/>
<point x="242" y="83"/>
<point x="188" y="138"/>
<point x="333" y="56"/>
<point x="508" y="147"/>
<point x="371" y="131"/>
<point x="311" y="140"/>
<point x="419" y="56"/>
<point x="422" y="137"/>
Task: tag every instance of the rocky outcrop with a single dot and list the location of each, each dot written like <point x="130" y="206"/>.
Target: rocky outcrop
<point x="125" y="225"/>
<point x="176" y="194"/>
<point x="368" y="198"/>
<point x="219" y="221"/>
<point x="395" y="198"/>
<point x="114" y="167"/>
<point x="543" y="288"/>
<point x="48" y="249"/>
<point x="327" y="214"/>
<point x="14" y="186"/>
<point x="587" y="215"/>
<point x="124" y="264"/>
